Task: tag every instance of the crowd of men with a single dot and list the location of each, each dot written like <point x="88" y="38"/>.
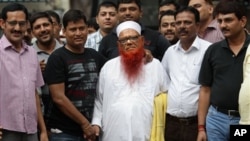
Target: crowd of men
<point x="103" y="85"/>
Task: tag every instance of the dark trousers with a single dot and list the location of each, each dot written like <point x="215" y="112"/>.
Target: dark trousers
<point x="18" y="136"/>
<point x="65" y="137"/>
<point x="181" y="129"/>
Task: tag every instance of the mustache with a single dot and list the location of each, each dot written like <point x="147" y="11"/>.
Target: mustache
<point x="132" y="61"/>
<point x="128" y="17"/>
<point x="169" y="32"/>
<point x="43" y="33"/>
<point x="182" y="31"/>
<point x="224" y="29"/>
<point x="16" y="31"/>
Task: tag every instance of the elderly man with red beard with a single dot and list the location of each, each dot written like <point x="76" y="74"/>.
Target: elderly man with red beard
<point x="126" y="90"/>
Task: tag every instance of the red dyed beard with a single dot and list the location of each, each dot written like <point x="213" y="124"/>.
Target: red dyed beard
<point x="132" y="61"/>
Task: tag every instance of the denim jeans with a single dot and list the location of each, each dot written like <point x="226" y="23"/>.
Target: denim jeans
<point x="218" y="125"/>
<point x="64" y="137"/>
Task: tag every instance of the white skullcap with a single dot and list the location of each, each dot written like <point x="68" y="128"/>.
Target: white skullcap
<point x="128" y="25"/>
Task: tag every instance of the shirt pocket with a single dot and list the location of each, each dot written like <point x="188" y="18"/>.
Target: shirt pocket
<point x="32" y="72"/>
<point x="195" y="71"/>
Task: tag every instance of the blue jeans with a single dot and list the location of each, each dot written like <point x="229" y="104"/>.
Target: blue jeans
<point x="218" y="125"/>
<point x="64" y="137"/>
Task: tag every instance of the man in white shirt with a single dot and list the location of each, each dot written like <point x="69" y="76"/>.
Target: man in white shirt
<point x="182" y="63"/>
<point x="127" y="87"/>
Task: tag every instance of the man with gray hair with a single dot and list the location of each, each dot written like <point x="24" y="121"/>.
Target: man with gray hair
<point x="126" y="90"/>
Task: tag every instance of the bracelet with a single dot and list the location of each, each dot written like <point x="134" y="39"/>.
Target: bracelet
<point x="201" y="128"/>
<point x="87" y="127"/>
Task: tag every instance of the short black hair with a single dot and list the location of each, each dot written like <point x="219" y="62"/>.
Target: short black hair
<point x="14" y="7"/>
<point x="106" y="4"/>
<point x="166" y="13"/>
<point x="169" y="2"/>
<point x="73" y="15"/>
<point x="54" y="15"/>
<point x="191" y="10"/>
<point x="137" y="2"/>
<point x="226" y="7"/>
<point x="92" y="23"/>
<point x="39" y="15"/>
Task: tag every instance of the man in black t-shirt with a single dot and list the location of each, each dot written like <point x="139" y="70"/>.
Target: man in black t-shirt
<point x="72" y="73"/>
<point x="221" y="74"/>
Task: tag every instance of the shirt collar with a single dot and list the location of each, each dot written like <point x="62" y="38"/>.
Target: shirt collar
<point x="38" y="50"/>
<point x="224" y="42"/>
<point x="99" y="35"/>
<point x="213" y="25"/>
<point x="7" y="44"/>
<point x="195" y="45"/>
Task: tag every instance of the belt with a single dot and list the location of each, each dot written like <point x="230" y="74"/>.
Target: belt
<point x="185" y="121"/>
<point x="234" y="113"/>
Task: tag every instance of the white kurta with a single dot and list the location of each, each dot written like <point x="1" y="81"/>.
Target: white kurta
<point x="124" y="112"/>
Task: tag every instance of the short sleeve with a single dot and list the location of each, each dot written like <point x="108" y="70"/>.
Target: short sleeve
<point x="206" y="71"/>
<point x="54" y="71"/>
